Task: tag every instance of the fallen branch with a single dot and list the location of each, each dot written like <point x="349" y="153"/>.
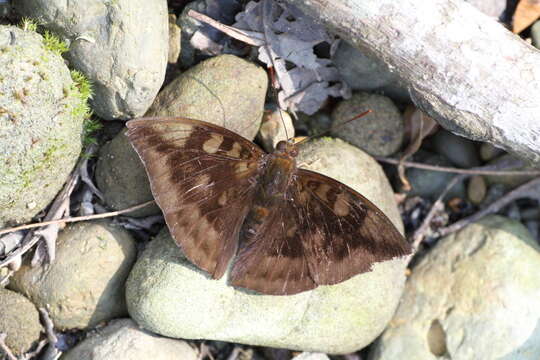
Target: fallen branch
<point x="529" y="189"/>
<point x="465" y="70"/>
<point x="52" y="352"/>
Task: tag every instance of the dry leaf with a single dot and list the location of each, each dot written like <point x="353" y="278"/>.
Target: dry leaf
<point x="527" y="12"/>
<point x="417" y="126"/>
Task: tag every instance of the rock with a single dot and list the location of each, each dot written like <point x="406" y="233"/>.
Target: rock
<point x="477" y="189"/>
<point x="535" y="34"/>
<point x="42" y="113"/>
<point x="85" y="284"/>
<point x="473" y="296"/>
<point x="175" y="34"/>
<point x="19" y="320"/>
<point x="430" y="184"/>
<point x="123" y="339"/>
<point x="224" y="90"/>
<point x="509" y="181"/>
<point x="121" y="177"/>
<point x="460" y="151"/>
<point x="275" y="127"/>
<point x="311" y="356"/>
<point x="363" y="73"/>
<point x="125" y="61"/>
<point x="168" y="296"/>
<point x="379" y="133"/>
<point x="489" y="152"/>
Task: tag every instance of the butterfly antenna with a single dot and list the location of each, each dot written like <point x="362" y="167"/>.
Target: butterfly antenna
<point x="333" y="128"/>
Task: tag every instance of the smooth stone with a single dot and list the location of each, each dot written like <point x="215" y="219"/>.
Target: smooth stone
<point x="167" y="295"/>
<point x="120" y="45"/>
<point x="379" y="133"/>
<point x="85" y="284"/>
<point x="489" y="152"/>
<point x="175" y="35"/>
<point x="19" y="320"/>
<point x="493" y="8"/>
<point x="121" y="177"/>
<point x="460" y="151"/>
<point x="509" y="181"/>
<point x="311" y="356"/>
<point x="41" y="124"/>
<point x="535" y="34"/>
<point x="276" y="126"/>
<point x="477" y="189"/>
<point x="431" y="184"/>
<point x="474" y="295"/>
<point x="224" y="90"/>
<point x="123" y="339"/>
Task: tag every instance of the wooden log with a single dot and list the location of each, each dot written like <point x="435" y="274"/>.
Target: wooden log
<point x="464" y="69"/>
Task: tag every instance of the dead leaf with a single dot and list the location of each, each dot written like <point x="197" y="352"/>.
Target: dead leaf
<point x="417" y="126"/>
<point x="527" y="12"/>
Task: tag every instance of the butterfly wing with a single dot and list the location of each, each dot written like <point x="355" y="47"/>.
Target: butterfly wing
<point x="322" y="234"/>
<point x="203" y="178"/>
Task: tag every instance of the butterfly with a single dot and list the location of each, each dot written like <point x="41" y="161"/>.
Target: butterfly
<point x="288" y="229"/>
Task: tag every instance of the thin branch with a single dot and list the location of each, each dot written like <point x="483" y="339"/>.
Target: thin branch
<point x="76" y="219"/>
<point x="52" y="352"/>
<point x="529" y="189"/>
<point x="472" y="171"/>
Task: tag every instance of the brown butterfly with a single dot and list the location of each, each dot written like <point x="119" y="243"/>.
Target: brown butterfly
<point x="291" y="229"/>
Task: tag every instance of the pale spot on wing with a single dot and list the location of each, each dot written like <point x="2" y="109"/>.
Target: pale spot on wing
<point x="212" y="145"/>
<point x="235" y="151"/>
<point x="291" y="232"/>
<point x="341" y="206"/>
<point x="241" y="167"/>
<point x="322" y="191"/>
<point x="222" y="200"/>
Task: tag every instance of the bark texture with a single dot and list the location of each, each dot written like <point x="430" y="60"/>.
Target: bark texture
<point x="463" y="68"/>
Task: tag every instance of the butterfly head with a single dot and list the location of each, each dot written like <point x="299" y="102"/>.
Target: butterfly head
<point x="287" y="147"/>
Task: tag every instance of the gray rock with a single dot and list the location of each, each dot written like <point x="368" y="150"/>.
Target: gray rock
<point x="167" y="295"/>
<point x="276" y="126"/>
<point x="85" y="284"/>
<point x="120" y="45"/>
<point x="19" y="320"/>
<point x="430" y="184"/>
<point x="224" y="90"/>
<point x="474" y="296"/>
<point x="509" y="181"/>
<point x="460" y="151"/>
<point x="363" y="73"/>
<point x="41" y="124"/>
<point x="379" y="133"/>
<point x="477" y="189"/>
<point x="311" y="356"/>
<point x="121" y="177"/>
<point x="489" y="152"/>
<point x="535" y="34"/>
<point x="123" y="339"/>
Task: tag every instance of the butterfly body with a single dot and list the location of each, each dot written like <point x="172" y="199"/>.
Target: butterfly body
<point x="285" y="229"/>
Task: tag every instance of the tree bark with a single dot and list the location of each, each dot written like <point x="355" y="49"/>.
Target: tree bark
<point x="463" y="68"/>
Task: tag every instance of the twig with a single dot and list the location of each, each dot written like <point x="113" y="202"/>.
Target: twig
<point x="438" y="205"/>
<point x="5" y="348"/>
<point x="472" y="171"/>
<point x="76" y="219"/>
<point x="52" y="352"/>
<point x="254" y="38"/>
<point x="529" y="189"/>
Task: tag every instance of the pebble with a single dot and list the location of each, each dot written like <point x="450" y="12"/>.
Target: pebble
<point x="113" y="44"/>
<point x="475" y="295"/>
<point x="19" y="320"/>
<point x="460" y="151"/>
<point x="277" y="125"/>
<point x="123" y="339"/>
<point x="477" y="189"/>
<point x="85" y="284"/>
<point x="379" y="133"/>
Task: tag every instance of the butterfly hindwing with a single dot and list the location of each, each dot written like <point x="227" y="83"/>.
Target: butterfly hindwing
<point x="203" y="178"/>
<point x="322" y="233"/>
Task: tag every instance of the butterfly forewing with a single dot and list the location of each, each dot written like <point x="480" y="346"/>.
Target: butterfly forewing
<point x="203" y="178"/>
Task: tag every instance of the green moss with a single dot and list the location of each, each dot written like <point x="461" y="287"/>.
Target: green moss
<point x="90" y="126"/>
<point x="28" y="24"/>
<point x="53" y="43"/>
<point x="83" y="84"/>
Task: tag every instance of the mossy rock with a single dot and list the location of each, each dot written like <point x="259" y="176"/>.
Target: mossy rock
<point x="41" y="122"/>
